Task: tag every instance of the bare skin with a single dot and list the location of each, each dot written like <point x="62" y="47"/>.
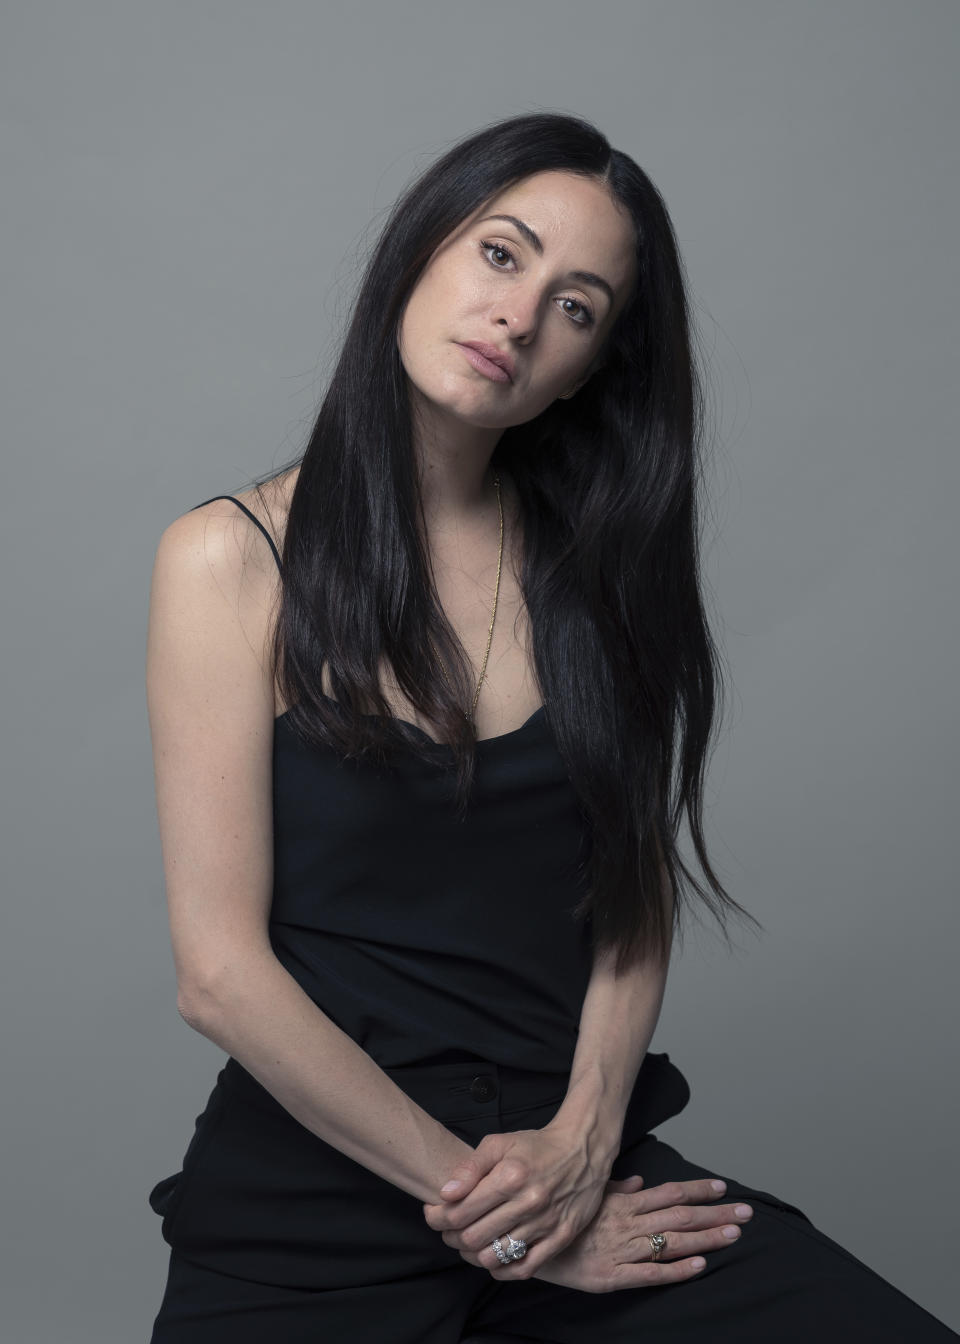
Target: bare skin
<point x="614" y="1250"/>
<point x="526" y="305"/>
<point x="486" y="282"/>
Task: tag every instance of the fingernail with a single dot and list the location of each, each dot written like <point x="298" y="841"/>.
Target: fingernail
<point x="698" y="1263"/>
<point x="731" y="1232"/>
<point x="450" y="1186"/>
<point x="719" y="1186"/>
<point x="743" y="1210"/>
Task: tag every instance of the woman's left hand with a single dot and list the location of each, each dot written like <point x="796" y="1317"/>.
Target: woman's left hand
<point x="544" y="1185"/>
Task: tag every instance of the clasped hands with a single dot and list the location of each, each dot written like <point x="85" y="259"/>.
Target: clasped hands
<point x="551" y="1187"/>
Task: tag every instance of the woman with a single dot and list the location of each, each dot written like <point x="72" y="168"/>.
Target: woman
<point x="426" y="710"/>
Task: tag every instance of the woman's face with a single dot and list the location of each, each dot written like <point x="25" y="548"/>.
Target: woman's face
<point x="493" y="281"/>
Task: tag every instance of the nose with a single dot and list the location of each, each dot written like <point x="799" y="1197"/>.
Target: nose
<point x="519" y="313"/>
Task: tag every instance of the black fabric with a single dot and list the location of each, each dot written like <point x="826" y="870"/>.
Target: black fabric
<point x="423" y="936"/>
<point x="447" y="950"/>
<point x="277" y="1235"/>
<point x="262" y="1197"/>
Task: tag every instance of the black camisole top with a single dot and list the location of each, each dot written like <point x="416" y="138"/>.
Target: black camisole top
<point x="426" y="936"/>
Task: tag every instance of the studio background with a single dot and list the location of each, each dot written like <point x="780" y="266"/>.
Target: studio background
<point x="189" y="190"/>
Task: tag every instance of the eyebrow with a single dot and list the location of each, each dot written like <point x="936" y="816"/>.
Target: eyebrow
<point x="585" y="277"/>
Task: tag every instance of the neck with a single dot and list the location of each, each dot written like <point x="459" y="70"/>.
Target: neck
<point x="453" y="467"/>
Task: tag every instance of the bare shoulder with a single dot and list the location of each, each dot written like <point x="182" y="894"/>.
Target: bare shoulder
<point x="210" y="702"/>
<point x="226" y="532"/>
<point x="215" y="590"/>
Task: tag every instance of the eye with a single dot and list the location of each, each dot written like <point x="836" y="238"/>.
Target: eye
<point x="495" y="247"/>
<point x="585" y="321"/>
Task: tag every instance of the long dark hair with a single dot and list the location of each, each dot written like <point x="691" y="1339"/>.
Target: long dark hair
<point x="610" y="573"/>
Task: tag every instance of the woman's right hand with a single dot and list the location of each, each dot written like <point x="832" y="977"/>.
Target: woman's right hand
<point x="614" y="1250"/>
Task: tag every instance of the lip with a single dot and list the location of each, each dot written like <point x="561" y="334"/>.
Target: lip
<point x="490" y="355"/>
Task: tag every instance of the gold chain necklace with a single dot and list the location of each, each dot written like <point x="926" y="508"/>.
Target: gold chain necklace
<point x="473" y="710"/>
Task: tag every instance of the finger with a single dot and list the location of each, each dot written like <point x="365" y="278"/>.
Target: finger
<point x="683" y="1245"/>
<point x="650" y="1274"/>
<point x="692" y="1217"/>
<point x="538" y="1253"/>
<point x="466" y="1174"/>
<point x="473" y="1259"/>
<point x="510" y="1218"/>
<point x="462" y="1181"/>
<point x="494" y="1194"/>
<point x="681" y="1192"/>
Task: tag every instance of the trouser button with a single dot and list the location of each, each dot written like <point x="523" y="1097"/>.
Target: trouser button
<point x="483" y="1087"/>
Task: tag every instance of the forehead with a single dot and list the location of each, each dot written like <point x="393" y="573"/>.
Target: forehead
<point x="578" y="221"/>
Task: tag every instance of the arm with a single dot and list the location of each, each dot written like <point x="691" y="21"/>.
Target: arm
<point x="256" y="1011"/>
<point x="617" y="1023"/>
<point x="549" y="1183"/>
<point x="211" y="706"/>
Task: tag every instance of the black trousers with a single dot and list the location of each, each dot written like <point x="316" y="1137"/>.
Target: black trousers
<point x="278" y="1238"/>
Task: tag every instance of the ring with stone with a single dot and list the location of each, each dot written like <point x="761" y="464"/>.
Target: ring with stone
<point x="516" y="1250"/>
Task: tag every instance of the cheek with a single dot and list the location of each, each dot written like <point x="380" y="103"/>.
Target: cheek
<point x="413" y="336"/>
<point x="426" y="316"/>
<point x="560" y="375"/>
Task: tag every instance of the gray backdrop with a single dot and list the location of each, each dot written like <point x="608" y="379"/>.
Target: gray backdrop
<point x="186" y="190"/>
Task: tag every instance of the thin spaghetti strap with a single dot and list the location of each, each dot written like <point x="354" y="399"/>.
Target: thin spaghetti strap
<point x="253" y="519"/>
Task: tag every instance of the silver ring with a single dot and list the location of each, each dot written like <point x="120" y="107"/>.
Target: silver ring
<point x="515" y="1251"/>
<point x="657" y="1242"/>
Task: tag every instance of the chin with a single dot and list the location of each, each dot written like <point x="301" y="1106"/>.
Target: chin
<point x="452" y="396"/>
